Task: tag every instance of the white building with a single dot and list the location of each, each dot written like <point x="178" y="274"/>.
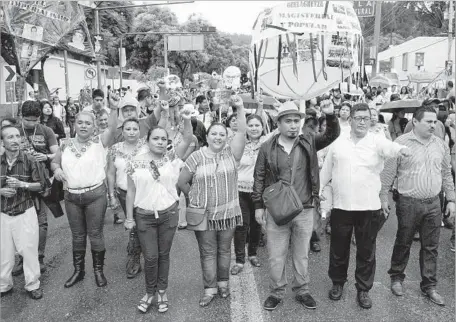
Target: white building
<point x="421" y="54"/>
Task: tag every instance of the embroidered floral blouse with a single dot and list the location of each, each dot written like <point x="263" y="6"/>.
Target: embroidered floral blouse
<point x="120" y="157"/>
<point x="155" y="181"/>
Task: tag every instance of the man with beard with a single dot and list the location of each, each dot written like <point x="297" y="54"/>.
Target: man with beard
<point x="276" y="156"/>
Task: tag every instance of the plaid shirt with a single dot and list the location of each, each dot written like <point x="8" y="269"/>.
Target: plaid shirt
<point x="23" y="169"/>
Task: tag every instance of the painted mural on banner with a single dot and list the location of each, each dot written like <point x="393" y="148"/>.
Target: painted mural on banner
<point x="300" y="49"/>
<point x="37" y="27"/>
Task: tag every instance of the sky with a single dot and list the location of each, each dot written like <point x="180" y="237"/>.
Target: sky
<point x="227" y="16"/>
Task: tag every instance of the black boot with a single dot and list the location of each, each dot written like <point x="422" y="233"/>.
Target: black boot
<point x="78" y="263"/>
<point x="98" y="262"/>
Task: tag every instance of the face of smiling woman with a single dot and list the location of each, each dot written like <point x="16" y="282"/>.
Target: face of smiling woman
<point x="216" y="138"/>
<point x="84" y="126"/>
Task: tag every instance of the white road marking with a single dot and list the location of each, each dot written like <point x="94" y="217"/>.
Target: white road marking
<point x="245" y="301"/>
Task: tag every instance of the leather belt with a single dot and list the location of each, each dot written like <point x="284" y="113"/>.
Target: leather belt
<point x="425" y="200"/>
<point x="85" y="189"/>
<point x="13" y="214"/>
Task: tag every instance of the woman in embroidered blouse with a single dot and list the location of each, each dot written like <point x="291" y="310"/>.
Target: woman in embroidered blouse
<point x="118" y="157"/>
<point x="80" y="164"/>
<point x="213" y="173"/>
<point x="151" y="204"/>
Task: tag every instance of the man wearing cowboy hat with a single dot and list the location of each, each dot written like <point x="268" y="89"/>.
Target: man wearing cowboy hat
<point x="277" y="155"/>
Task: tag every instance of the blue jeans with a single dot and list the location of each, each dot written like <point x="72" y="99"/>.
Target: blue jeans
<point x="300" y="231"/>
<point x="215" y="255"/>
<point x="86" y="212"/>
<point x="156" y="238"/>
<point x="426" y="216"/>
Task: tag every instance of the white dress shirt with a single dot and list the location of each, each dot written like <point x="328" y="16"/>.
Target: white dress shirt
<point x="355" y="171"/>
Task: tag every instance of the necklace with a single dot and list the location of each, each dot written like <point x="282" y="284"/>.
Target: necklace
<point x="84" y="146"/>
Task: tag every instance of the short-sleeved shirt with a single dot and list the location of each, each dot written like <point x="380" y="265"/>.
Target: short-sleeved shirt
<point x="215" y="186"/>
<point x="39" y="139"/>
<point x="23" y="169"/>
<point x="155" y="183"/>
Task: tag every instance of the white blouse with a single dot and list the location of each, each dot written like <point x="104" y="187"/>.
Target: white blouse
<point x="155" y="186"/>
<point x="85" y="166"/>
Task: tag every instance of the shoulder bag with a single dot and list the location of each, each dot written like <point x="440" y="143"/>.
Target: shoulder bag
<point x="197" y="217"/>
<point x="281" y="199"/>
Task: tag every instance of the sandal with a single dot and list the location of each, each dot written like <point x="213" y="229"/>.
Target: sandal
<point x="162" y="301"/>
<point x="224" y="292"/>
<point x="254" y="261"/>
<point x="236" y="269"/>
<point x="145" y="303"/>
<point x="206" y="299"/>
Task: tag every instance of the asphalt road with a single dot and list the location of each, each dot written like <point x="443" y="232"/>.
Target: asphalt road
<point x="117" y="301"/>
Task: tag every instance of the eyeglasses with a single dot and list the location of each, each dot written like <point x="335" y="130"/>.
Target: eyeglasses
<point x="358" y="119"/>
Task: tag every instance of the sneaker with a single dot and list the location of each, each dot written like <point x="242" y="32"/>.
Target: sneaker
<point x="364" y="300"/>
<point x="307" y="300"/>
<point x="36" y="294"/>
<point x="271" y="303"/>
<point x="18" y="269"/>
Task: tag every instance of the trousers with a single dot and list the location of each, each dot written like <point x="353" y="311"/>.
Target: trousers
<point x="19" y="234"/>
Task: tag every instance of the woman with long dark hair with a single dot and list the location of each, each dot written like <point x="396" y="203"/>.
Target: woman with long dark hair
<point x="80" y="164"/>
<point x="48" y="119"/>
<point x="152" y="205"/>
<point x="72" y="109"/>
<point x="213" y="173"/>
<point x="250" y="229"/>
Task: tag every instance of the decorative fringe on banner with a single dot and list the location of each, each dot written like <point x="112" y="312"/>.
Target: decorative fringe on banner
<point x="224" y="224"/>
<point x="323" y="63"/>
<point x="279" y="60"/>
<point x="313" y="57"/>
<point x="293" y="55"/>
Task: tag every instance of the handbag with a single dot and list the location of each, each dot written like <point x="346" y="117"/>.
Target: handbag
<point x="197" y="217"/>
<point x="282" y="200"/>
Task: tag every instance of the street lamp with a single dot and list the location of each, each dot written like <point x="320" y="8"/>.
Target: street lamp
<point x="97" y="25"/>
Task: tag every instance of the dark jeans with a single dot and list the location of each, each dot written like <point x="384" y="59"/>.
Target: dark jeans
<point x="250" y="229"/>
<point x="366" y="225"/>
<point x="316" y="227"/>
<point x="134" y="247"/>
<point x="413" y="214"/>
<point x="215" y="255"/>
<point x="41" y="211"/>
<point x="156" y="238"/>
<point x="72" y="129"/>
<point x="86" y="212"/>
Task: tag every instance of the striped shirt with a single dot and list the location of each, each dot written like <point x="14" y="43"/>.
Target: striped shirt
<point x="423" y="174"/>
<point x="23" y="169"/>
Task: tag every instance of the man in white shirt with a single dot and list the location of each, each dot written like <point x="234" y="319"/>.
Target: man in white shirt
<point x="58" y="109"/>
<point x="98" y="102"/>
<point x="354" y="163"/>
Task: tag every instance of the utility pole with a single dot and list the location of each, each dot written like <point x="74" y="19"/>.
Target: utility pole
<point x="378" y="18"/>
<point x="97" y="33"/>
<point x="166" y="53"/>
<point x="450" y="28"/>
<point x="67" y="82"/>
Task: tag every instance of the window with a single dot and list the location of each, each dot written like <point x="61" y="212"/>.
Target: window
<point x="419" y="59"/>
<point x="404" y="62"/>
